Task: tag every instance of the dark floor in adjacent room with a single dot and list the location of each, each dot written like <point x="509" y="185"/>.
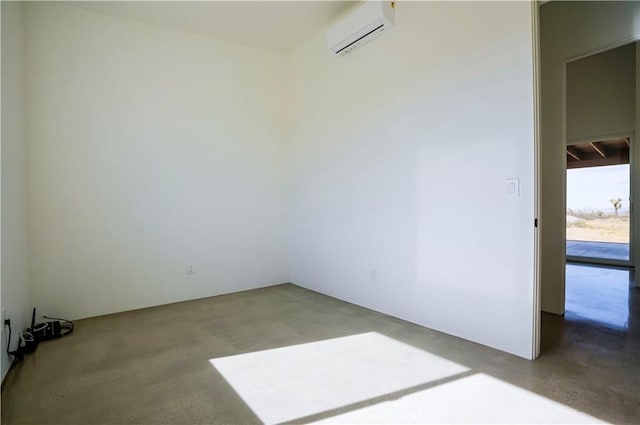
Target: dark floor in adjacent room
<point x="604" y="250"/>
<point x="286" y="354"/>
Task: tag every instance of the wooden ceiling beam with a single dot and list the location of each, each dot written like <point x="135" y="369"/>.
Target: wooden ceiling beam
<point x="599" y="162"/>
<point x="573" y="153"/>
<point x="598" y="148"/>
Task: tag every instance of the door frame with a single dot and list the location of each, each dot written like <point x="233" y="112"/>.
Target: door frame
<point x="537" y="265"/>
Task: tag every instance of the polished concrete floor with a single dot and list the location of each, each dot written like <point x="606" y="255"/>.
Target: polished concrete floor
<point x="605" y="250"/>
<point x="598" y="295"/>
<point x="285" y="354"/>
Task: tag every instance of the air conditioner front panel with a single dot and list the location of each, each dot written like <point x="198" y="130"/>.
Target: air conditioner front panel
<point x="358" y="35"/>
<point x="359" y="42"/>
<point x="361" y="26"/>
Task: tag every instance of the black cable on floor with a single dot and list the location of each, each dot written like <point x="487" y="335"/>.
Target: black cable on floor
<point x="9" y="340"/>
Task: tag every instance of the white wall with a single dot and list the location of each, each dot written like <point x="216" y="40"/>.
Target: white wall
<point x="13" y="262"/>
<point x="568" y="30"/>
<point x="400" y="155"/>
<point x="149" y="149"/>
<point x="601" y="98"/>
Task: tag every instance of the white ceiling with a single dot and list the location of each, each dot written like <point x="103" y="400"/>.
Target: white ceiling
<point x="277" y="25"/>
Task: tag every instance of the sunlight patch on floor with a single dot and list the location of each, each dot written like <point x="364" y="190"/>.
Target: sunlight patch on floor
<point x="294" y="382"/>
<point x="478" y="398"/>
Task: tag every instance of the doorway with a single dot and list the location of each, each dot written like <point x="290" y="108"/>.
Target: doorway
<point x="602" y="44"/>
<point x="600" y="139"/>
<point x="598" y="199"/>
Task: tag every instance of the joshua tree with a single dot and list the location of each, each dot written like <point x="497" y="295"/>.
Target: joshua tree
<point x="617" y="204"/>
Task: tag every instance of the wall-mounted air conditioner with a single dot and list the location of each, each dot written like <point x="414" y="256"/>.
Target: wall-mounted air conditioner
<point x="365" y="23"/>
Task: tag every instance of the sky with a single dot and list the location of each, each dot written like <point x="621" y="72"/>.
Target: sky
<point x="592" y="188"/>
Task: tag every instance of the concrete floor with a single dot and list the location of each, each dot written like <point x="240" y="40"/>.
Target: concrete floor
<point x="605" y="250"/>
<point x="286" y="354"/>
<point x="599" y="295"/>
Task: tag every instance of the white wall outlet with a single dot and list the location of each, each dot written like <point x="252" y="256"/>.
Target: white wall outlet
<point x="191" y="268"/>
<point x="4" y="315"/>
<point x="373" y="275"/>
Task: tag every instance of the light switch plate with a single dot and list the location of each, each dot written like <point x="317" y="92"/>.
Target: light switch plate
<point x="513" y="187"/>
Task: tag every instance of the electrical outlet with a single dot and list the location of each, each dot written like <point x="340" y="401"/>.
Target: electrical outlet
<point x="373" y="275"/>
<point x="191" y="268"/>
<point x="4" y="315"/>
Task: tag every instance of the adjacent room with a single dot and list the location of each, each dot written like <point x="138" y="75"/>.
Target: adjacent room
<point x="600" y="230"/>
<point x="236" y="212"/>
